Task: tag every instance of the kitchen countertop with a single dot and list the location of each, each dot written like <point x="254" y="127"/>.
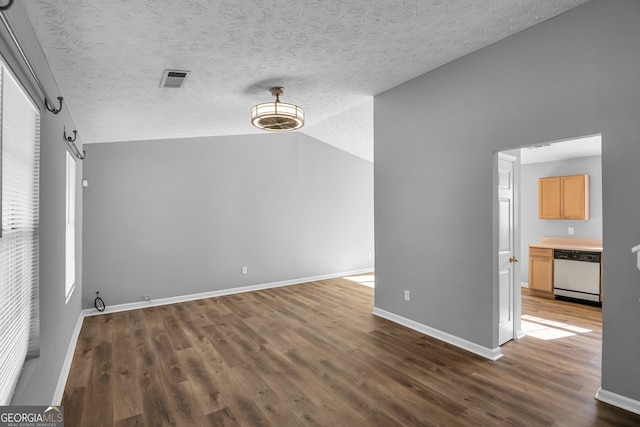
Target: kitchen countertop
<point x="569" y="243"/>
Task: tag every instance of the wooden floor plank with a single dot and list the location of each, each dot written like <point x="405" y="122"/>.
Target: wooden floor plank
<point x="127" y="401"/>
<point x="98" y="407"/>
<point x="201" y="373"/>
<point x="135" y="421"/>
<point x="73" y="402"/>
<point x="314" y="355"/>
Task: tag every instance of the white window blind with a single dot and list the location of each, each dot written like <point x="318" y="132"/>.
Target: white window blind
<point x="70" y="234"/>
<point x="19" y="319"/>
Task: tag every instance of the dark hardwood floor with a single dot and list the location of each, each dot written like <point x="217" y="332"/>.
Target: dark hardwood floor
<point x="313" y="354"/>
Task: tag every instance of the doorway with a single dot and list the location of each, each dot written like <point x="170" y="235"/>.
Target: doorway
<point x="566" y="157"/>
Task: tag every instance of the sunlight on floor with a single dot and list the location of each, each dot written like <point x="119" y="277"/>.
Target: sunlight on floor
<point x="544" y="329"/>
<point x="364" y="279"/>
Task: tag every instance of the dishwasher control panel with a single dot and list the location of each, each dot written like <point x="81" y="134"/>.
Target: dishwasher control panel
<point x="576" y="255"/>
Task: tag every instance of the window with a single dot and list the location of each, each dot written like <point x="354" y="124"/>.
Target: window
<point x="70" y="235"/>
<point x="19" y="318"/>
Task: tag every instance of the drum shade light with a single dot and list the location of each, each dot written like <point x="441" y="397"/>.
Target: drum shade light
<point x="277" y="115"/>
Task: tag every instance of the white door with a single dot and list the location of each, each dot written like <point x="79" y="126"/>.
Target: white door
<point x="506" y="248"/>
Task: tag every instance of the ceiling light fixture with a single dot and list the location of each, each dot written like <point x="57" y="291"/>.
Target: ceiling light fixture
<point x="277" y="115"/>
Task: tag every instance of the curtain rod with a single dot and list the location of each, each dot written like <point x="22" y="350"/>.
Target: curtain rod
<point x="18" y="46"/>
<point x="71" y="142"/>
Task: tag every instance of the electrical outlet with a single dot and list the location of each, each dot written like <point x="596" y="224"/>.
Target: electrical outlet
<point x="571" y="231"/>
<point x="407" y="295"/>
<point x="244" y="269"/>
<point x="146" y="298"/>
<point x="370" y="255"/>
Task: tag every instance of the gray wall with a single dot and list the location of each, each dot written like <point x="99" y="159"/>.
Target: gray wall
<point x="435" y="143"/>
<point x="57" y="321"/>
<point x="532" y="228"/>
<point x="177" y="217"/>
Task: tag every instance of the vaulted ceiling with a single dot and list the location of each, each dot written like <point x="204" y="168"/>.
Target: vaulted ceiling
<point x="332" y="57"/>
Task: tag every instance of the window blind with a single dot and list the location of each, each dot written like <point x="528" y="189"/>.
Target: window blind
<point x="19" y="318"/>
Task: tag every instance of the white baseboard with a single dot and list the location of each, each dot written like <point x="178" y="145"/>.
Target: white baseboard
<point x="618" y="400"/>
<point x="524" y="285"/>
<point x="66" y="366"/>
<point x="488" y="353"/>
<point x="219" y="293"/>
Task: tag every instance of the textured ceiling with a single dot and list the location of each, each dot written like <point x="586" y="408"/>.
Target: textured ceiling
<point x="331" y="56"/>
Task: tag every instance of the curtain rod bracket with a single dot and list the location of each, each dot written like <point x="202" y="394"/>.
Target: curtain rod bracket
<point x="51" y="108"/>
<point x="71" y="143"/>
<point x="68" y="138"/>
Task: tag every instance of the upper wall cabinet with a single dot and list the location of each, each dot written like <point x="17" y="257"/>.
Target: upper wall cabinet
<point x="563" y="197"/>
<point x="549" y="198"/>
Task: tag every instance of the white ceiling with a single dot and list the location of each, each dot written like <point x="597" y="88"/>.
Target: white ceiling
<point x="562" y="150"/>
<point x="332" y="56"/>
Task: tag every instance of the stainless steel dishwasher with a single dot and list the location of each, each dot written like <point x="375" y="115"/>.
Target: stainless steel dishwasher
<point x="576" y="276"/>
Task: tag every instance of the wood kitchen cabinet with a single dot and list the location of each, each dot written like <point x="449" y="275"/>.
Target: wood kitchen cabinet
<point x="563" y="197"/>
<point x="541" y="271"/>
<point x="574" y="191"/>
<point x="549" y="198"/>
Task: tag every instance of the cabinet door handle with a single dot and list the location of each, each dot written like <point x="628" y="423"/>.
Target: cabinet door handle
<point x="513" y="259"/>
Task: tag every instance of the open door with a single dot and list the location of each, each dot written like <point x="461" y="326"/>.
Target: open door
<point x="507" y="312"/>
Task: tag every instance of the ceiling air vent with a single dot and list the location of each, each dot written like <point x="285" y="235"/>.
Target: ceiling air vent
<point x="174" y="78"/>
